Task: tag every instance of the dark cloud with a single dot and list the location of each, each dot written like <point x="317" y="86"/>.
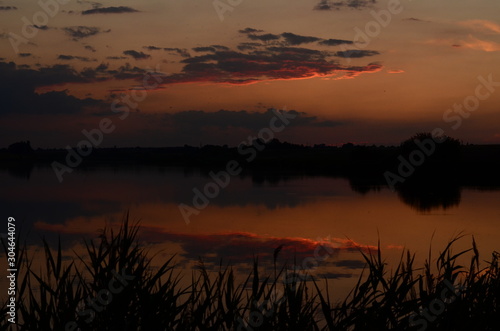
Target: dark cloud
<point x="116" y="57"/>
<point x="223" y="119"/>
<point x="102" y="67"/>
<point x="334" y="42"/>
<point x="152" y="48"/>
<point x="220" y="47"/>
<point x="204" y="49"/>
<point x="294" y="39"/>
<point x="264" y="37"/>
<point x="137" y="55"/>
<point x="333" y="275"/>
<point x="339" y="4"/>
<point x="178" y="51"/>
<point x="24" y="54"/>
<point x="44" y="76"/>
<point x="73" y="57"/>
<point x="296" y="52"/>
<point x="265" y="63"/>
<point x="250" y="30"/>
<point x="8" y="8"/>
<point x="59" y="102"/>
<point x="287" y="38"/>
<point x="248" y="46"/>
<point x="219" y="127"/>
<point x="109" y="10"/>
<point x="18" y="86"/>
<point x="211" y="48"/>
<point x="90" y="48"/>
<point x="356" y="53"/>
<point x="351" y="264"/>
<point x="79" y="32"/>
<point x="253" y="62"/>
<point x="61" y="74"/>
<point x="128" y="72"/>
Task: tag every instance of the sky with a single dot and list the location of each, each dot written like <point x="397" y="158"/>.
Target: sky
<point x="169" y="73"/>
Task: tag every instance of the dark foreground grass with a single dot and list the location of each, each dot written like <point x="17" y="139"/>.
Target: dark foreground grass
<point x="115" y="287"/>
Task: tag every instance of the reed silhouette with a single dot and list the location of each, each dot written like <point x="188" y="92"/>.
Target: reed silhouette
<point x="384" y="298"/>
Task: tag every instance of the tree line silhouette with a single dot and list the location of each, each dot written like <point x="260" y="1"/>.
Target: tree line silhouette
<point x="437" y="182"/>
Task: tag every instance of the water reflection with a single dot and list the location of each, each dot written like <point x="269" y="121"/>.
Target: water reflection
<point x="252" y="216"/>
<point x="94" y="192"/>
<point x="21" y="170"/>
<point x="425" y="198"/>
<point x="241" y="248"/>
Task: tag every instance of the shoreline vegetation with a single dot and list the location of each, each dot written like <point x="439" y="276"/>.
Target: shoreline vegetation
<point x="424" y="173"/>
<point x="365" y="166"/>
<point x="115" y="287"/>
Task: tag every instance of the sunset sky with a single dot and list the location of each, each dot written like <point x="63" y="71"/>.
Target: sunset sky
<point x="220" y="65"/>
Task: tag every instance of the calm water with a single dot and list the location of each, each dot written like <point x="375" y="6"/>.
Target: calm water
<point x="249" y="217"/>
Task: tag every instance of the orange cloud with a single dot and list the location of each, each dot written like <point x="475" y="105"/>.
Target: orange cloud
<point x="395" y="71"/>
<point x="482" y="45"/>
<point x="481" y="25"/>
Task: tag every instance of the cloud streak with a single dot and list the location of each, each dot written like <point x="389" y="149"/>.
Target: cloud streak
<point x="355" y="53"/>
<point x="340" y="4"/>
<point x="294" y="39"/>
<point x="80" y="32"/>
<point x="289" y="38"/>
<point x="74" y="57"/>
<point x="109" y="10"/>
<point x="137" y="55"/>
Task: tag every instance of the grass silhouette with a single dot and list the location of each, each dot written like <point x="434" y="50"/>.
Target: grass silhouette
<point x="59" y="296"/>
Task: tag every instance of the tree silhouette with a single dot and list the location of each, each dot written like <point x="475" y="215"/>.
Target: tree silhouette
<point x="21" y="147"/>
<point x="444" y="147"/>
